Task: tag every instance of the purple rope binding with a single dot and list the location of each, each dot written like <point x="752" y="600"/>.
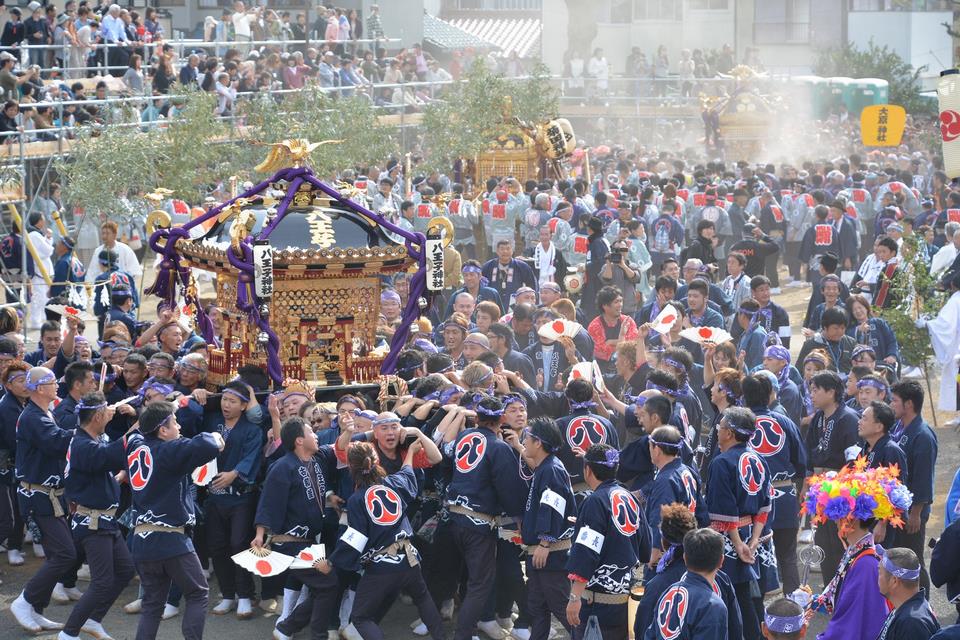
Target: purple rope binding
<point x="172" y="272"/>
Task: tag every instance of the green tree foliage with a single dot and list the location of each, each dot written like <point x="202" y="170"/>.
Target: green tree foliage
<point x="877" y="62"/>
<point x="316" y="116"/>
<point x="196" y="150"/>
<point x="914" y="291"/>
<point x="116" y="162"/>
<point x="471" y="112"/>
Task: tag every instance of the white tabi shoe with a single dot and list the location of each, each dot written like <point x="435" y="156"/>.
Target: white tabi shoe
<point x="491" y="629"/>
<point x="169" y="611"/>
<point x="134" y="607"/>
<point x="23" y="612"/>
<point x="14" y="558"/>
<point x="244" y="609"/>
<point x="38" y="551"/>
<point x="225" y="607"/>
<point x="520" y="634"/>
<point x="95" y="629"/>
<point x="83" y="573"/>
<point x="350" y="632"/>
<point x="59" y="594"/>
<point x="45" y="624"/>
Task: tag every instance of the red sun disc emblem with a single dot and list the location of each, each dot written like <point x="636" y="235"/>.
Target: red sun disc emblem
<point x="705" y="332"/>
<point x="202" y="474"/>
<point x="949" y="125"/>
<point x="558" y="326"/>
<point x="263" y="567"/>
<point x="306" y="556"/>
<point x="668" y="319"/>
<point x="71" y="311"/>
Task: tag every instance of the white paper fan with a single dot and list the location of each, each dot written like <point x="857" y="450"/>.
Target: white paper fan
<point x="553" y="330"/>
<point x="203" y="474"/>
<point x="270" y="564"/>
<point x="705" y="334"/>
<point x="665" y="319"/>
<point x="306" y="558"/>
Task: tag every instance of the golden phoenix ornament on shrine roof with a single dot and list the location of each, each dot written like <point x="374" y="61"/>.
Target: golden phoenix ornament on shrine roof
<point x="289" y="153"/>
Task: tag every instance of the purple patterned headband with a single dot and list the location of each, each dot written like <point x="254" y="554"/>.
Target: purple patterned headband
<point x="45" y="379"/>
<point x="862" y="348"/>
<point x="666" y="445"/>
<point x="390" y="296"/>
<point x="870" y="382"/>
<point x="783" y="624"/>
<point x="513" y="398"/>
<point x="477" y="342"/>
<point x="674" y="363"/>
<point x="162" y="389"/>
<point x="816" y="358"/>
<point x="662" y="389"/>
<point x="490" y="413"/>
<point x="611" y="458"/>
<point x="81" y="406"/>
<point x="471" y="269"/>
<point x="449" y="392"/>
<point x="242" y="396"/>
<point x="387" y="418"/>
<point x="894" y="570"/>
<point x="777" y="352"/>
<point x="576" y="406"/>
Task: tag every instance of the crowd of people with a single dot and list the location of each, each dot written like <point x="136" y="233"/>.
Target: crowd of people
<point x="604" y="395"/>
<point x="85" y="40"/>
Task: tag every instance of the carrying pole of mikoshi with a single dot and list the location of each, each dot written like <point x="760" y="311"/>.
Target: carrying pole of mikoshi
<point x="15" y="216"/>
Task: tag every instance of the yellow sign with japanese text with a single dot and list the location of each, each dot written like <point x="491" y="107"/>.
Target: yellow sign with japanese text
<point x="881" y="125"/>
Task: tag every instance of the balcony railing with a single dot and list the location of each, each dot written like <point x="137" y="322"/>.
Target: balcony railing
<point x="901" y="5"/>
<point x="493" y="5"/>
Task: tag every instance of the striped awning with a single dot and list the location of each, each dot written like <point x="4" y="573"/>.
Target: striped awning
<point x="446" y="36"/>
<point x="509" y="34"/>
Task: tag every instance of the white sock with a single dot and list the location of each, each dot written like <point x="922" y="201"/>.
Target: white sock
<point x="290" y="597"/>
<point x="304" y="594"/>
<point x="346" y="607"/>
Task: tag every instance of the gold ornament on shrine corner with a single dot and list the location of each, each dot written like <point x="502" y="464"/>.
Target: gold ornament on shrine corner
<point x="289" y="153"/>
<point x="441" y="226"/>
<point x="157" y="219"/>
<point x="242" y="227"/>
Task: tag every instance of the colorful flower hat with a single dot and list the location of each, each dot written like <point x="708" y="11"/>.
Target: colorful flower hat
<point x="856" y="492"/>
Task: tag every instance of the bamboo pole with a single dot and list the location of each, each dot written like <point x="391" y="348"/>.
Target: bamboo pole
<point x="15" y="216"/>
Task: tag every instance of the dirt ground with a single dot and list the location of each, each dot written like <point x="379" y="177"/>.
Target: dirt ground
<point x="396" y="624"/>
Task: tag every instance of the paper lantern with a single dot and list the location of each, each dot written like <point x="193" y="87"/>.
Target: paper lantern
<point x="948" y="91"/>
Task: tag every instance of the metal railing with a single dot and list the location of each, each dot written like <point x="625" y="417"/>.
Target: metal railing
<point x="140" y="102"/>
<point x="34" y="53"/>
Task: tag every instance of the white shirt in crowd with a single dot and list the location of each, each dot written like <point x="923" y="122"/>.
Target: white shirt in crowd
<point x="128" y="261"/>
<point x="943" y="258"/>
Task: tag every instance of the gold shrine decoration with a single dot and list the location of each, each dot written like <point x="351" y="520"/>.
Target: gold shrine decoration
<point x="321" y="229"/>
<point x="289" y="153"/>
<point x="442" y="227"/>
<point x="157" y="219"/>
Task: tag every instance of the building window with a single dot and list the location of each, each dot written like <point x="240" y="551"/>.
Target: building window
<point x="621" y="11"/>
<point x="494" y="5"/>
<point x="782" y="22"/>
<point x="708" y="5"/>
<point x="901" y="5"/>
<point x="657" y="10"/>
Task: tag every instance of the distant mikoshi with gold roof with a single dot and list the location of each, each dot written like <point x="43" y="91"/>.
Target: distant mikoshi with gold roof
<point x="297" y="266"/>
